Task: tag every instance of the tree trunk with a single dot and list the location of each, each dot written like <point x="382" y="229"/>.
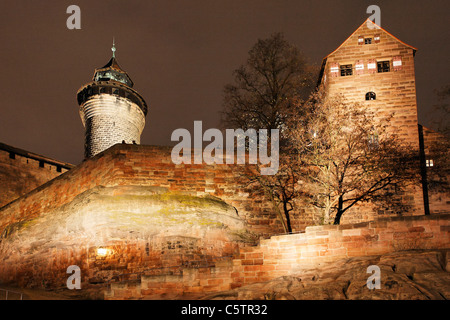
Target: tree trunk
<point x="337" y="219"/>
<point x="288" y="219"/>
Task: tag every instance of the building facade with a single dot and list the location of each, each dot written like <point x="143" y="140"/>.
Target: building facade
<point x="375" y="69"/>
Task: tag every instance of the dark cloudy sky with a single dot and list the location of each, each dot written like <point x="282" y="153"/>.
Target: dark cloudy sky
<point x="180" y="54"/>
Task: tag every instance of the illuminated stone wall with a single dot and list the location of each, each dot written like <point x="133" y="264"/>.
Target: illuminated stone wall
<point x="159" y="225"/>
<point x="21" y="172"/>
<point x="147" y="166"/>
<point x="288" y="254"/>
<point x="439" y="198"/>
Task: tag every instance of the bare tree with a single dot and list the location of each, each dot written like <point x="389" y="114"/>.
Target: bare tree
<point x="443" y="107"/>
<point x="281" y="188"/>
<point x="347" y="155"/>
<point x="275" y="73"/>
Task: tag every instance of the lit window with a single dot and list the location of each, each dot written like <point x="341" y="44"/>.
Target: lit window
<point x="429" y="162"/>
<point x="368" y="41"/>
<point x="346" y="70"/>
<point x="371" y="96"/>
<point x="384" y="66"/>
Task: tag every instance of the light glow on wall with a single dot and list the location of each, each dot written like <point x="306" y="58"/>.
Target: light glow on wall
<point x="102" y="251"/>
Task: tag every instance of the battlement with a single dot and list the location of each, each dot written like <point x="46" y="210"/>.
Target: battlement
<point x="34" y="158"/>
<point x="22" y="171"/>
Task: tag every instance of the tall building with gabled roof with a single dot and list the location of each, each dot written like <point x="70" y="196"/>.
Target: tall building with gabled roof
<point x="374" y="68"/>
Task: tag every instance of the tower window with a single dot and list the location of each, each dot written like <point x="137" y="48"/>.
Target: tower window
<point x="383" y="66"/>
<point x="346" y="70"/>
<point x="41" y="164"/>
<point x="429" y="163"/>
<point x="12" y="155"/>
<point x="368" y="41"/>
<point x="371" y="96"/>
<point x="105" y="90"/>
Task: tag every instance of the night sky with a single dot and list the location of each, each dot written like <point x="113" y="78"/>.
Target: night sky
<point x="179" y="54"/>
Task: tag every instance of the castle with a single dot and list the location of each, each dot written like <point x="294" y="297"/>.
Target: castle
<point x="137" y="224"/>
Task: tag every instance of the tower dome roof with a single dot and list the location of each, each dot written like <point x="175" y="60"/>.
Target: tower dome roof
<point x="112" y="71"/>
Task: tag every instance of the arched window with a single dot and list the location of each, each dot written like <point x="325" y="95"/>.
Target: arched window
<point x="371" y="96"/>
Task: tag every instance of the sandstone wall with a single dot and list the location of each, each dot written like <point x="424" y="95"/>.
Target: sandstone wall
<point x="146" y="166"/>
<point x="439" y="198"/>
<point x="152" y="166"/>
<point x="22" y="171"/>
<point x="289" y="254"/>
<point x="44" y="232"/>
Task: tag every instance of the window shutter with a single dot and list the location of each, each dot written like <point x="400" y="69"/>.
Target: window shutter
<point x="359" y="67"/>
<point x="376" y="38"/>
<point x="372" y="66"/>
<point x="334" y="69"/>
<point x="397" y="63"/>
<point x="361" y="40"/>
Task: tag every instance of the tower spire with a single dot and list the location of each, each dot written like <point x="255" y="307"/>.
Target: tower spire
<point x="113" y="49"/>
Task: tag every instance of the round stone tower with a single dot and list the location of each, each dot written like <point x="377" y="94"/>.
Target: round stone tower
<point x="111" y="110"/>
